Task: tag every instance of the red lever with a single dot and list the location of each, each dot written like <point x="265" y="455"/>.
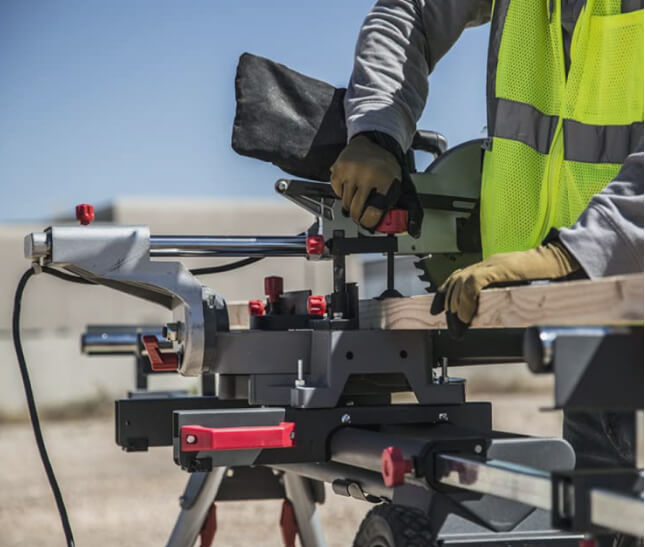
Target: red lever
<point x="394" y="466"/>
<point x="316" y="305"/>
<point x="159" y="362"/>
<point x="195" y="438"/>
<point x="395" y="221"/>
<point x="273" y="287"/>
<point x="288" y="524"/>
<point x="315" y="245"/>
<point x="209" y="528"/>
<point x="85" y="213"/>
<point x="256" y="307"/>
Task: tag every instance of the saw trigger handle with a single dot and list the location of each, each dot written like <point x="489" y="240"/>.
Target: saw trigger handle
<point x="395" y="221"/>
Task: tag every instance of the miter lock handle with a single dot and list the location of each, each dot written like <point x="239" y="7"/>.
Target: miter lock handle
<point x="395" y="221"/>
<point x="159" y="362"/>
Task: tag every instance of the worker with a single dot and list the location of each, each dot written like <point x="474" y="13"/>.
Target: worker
<point x="562" y="174"/>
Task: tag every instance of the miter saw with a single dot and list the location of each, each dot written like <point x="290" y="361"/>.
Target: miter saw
<point x="122" y="257"/>
<point x="449" y="191"/>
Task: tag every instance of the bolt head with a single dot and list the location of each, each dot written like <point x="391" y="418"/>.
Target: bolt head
<point x="191" y="439"/>
<point x="443" y="416"/>
<point x="478" y="449"/>
<point x="345" y="419"/>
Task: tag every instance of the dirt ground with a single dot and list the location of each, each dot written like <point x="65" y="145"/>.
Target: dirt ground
<point x="120" y="499"/>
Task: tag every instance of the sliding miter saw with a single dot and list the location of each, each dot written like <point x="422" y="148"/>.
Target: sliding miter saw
<point x="449" y="192"/>
<point x="123" y="258"/>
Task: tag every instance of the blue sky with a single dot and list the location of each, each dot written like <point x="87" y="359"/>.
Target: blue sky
<point x="100" y="99"/>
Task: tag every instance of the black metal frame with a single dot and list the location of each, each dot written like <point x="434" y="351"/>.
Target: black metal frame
<point x="145" y="420"/>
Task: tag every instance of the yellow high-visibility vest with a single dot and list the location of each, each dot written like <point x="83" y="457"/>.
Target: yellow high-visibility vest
<point x="556" y="138"/>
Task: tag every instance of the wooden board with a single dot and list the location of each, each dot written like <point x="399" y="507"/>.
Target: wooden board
<point x="611" y="300"/>
<point x="607" y="301"/>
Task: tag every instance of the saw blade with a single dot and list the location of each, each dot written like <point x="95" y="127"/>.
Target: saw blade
<point x="438" y="267"/>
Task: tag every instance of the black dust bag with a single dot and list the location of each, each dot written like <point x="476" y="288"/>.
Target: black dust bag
<point x="286" y="118"/>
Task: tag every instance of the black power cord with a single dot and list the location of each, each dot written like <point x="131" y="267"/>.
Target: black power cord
<point x="195" y="271"/>
<point x="33" y="413"/>
<point x="226" y="267"/>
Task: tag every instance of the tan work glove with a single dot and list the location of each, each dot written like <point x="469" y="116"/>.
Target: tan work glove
<point x="459" y="294"/>
<point x="368" y="180"/>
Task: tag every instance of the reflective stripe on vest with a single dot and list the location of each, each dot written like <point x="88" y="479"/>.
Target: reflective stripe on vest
<point x="600" y="143"/>
<point x="582" y="142"/>
<point x="557" y="139"/>
<point x="522" y="122"/>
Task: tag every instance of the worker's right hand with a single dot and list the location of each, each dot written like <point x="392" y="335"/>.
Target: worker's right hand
<point x="368" y="179"/>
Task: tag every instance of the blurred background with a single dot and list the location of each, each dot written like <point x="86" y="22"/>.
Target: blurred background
<point x="129" y="106"/>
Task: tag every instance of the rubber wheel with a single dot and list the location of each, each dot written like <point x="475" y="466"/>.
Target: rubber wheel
<point x="390" y="525"/>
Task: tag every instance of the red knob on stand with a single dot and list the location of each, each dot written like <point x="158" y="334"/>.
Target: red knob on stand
<point x="394" y="466"/>
<point x="315" y="245"/>
<point x="273" y="288"/>
<point x="256" y="307"/>
<point x="316" y="305"/>
<point x="85" y="213"/>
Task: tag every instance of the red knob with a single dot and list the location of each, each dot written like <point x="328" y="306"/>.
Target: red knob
<point x="394" y="466"/>
<point x="316" y="305"/>
<point x="256" y="307"/>
<point x="273" y="287"/>
<point x="395" y="221"/>
<point x="315" y="245"/>
<point x="85" y="213"/>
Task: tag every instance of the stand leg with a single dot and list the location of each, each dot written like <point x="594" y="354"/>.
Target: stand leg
<point x="301" y="497"/>
<point x="197" y="501"/>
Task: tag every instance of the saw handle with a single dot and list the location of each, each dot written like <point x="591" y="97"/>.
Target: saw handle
<point x="430" y="141"/>
<point x="395" y="221"/>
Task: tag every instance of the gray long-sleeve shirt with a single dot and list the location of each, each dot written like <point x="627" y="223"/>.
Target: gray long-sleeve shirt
<point x="398" y="46"/>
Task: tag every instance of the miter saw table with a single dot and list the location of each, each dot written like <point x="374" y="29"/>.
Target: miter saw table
<point x="305" y="396"/>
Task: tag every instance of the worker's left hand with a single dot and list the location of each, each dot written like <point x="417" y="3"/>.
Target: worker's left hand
<point x="459" y="294"/>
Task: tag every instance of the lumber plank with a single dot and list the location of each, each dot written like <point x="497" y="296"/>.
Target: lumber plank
<point x="608" y="301"/>
<point x="238" y="315"/>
